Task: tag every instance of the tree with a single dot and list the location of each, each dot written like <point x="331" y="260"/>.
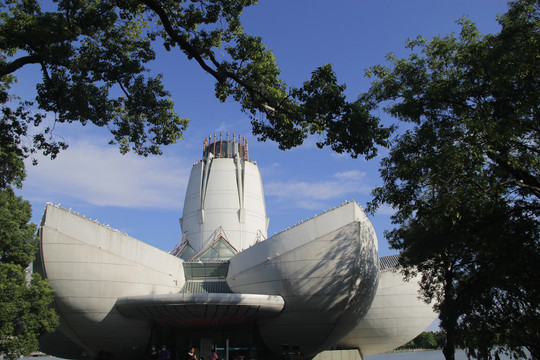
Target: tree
<point x="425" y="340"/>
<point x="464" y="178"/>
<point x="93" y="56"/>
<point x="440" y="339"/>
<point x="25" y="311"/>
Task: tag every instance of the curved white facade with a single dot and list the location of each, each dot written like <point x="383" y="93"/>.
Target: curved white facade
<point x="226" y="193"/>
<point x="326" y="270"/>
<point x="90" y="266"/>
<point x="396" y="316"/>
<point x="312" y="287"/>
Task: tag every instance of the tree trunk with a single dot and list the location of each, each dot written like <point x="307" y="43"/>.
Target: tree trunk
<point x="535" y="351"/>
<point x="449" y="316"/>
<point x="449" y="347"/>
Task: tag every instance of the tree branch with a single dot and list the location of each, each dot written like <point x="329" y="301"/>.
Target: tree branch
<point x="124" y="90"/>
<point x="184" y="44"/>
<point x="198" y="56"/>
<point x="19" y="63"/>
<point x="524" y="179"/>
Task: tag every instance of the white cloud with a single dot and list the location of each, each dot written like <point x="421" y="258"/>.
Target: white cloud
<point x="385" y="210"/>
<point x="353" y="175"/>
<point x="341" y="156"/>
<point x="311" y="194"/>
<point x="240" y="126"/>
<point x="102" y="176"/>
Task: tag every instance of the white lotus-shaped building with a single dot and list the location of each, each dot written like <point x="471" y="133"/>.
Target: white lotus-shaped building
<point x="315" y="289"/>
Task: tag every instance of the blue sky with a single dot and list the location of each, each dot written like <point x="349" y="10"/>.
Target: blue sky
<point x="143" y="197"/>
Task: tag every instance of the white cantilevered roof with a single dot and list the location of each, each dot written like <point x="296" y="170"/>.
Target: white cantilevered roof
<point x="202" y="309"/>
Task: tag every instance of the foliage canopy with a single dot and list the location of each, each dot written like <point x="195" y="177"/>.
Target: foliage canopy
<point x="93" y="56"/>
<point x="25" y="311"/>
<point x="426" y="340"/>
<point x="464" y="177"/>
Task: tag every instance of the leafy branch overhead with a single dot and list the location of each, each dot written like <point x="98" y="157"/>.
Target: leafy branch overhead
<point x="250" y="75"/>
<point x="93" y="56"/>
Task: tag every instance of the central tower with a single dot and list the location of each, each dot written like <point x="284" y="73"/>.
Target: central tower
<point x="224" y="210"/>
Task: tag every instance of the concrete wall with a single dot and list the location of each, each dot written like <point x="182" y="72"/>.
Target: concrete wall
<point x="396" y="316"/>
<point x="89" y="266"/>
<point x="352" y="354"/>
<point x="326" y="271"/>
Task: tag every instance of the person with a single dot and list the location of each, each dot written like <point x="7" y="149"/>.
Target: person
<point x="164" y="354"/>
<point x="191" y="354"/>
<point x="214" y="355"/>
<point x="154" y="353"/>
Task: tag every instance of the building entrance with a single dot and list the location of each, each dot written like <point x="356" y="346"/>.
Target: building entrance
<point x="237" y="343"/>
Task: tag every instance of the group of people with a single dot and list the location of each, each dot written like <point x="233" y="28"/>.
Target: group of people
<point x="192" y="356"/>
<point x="165" y="354"/>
